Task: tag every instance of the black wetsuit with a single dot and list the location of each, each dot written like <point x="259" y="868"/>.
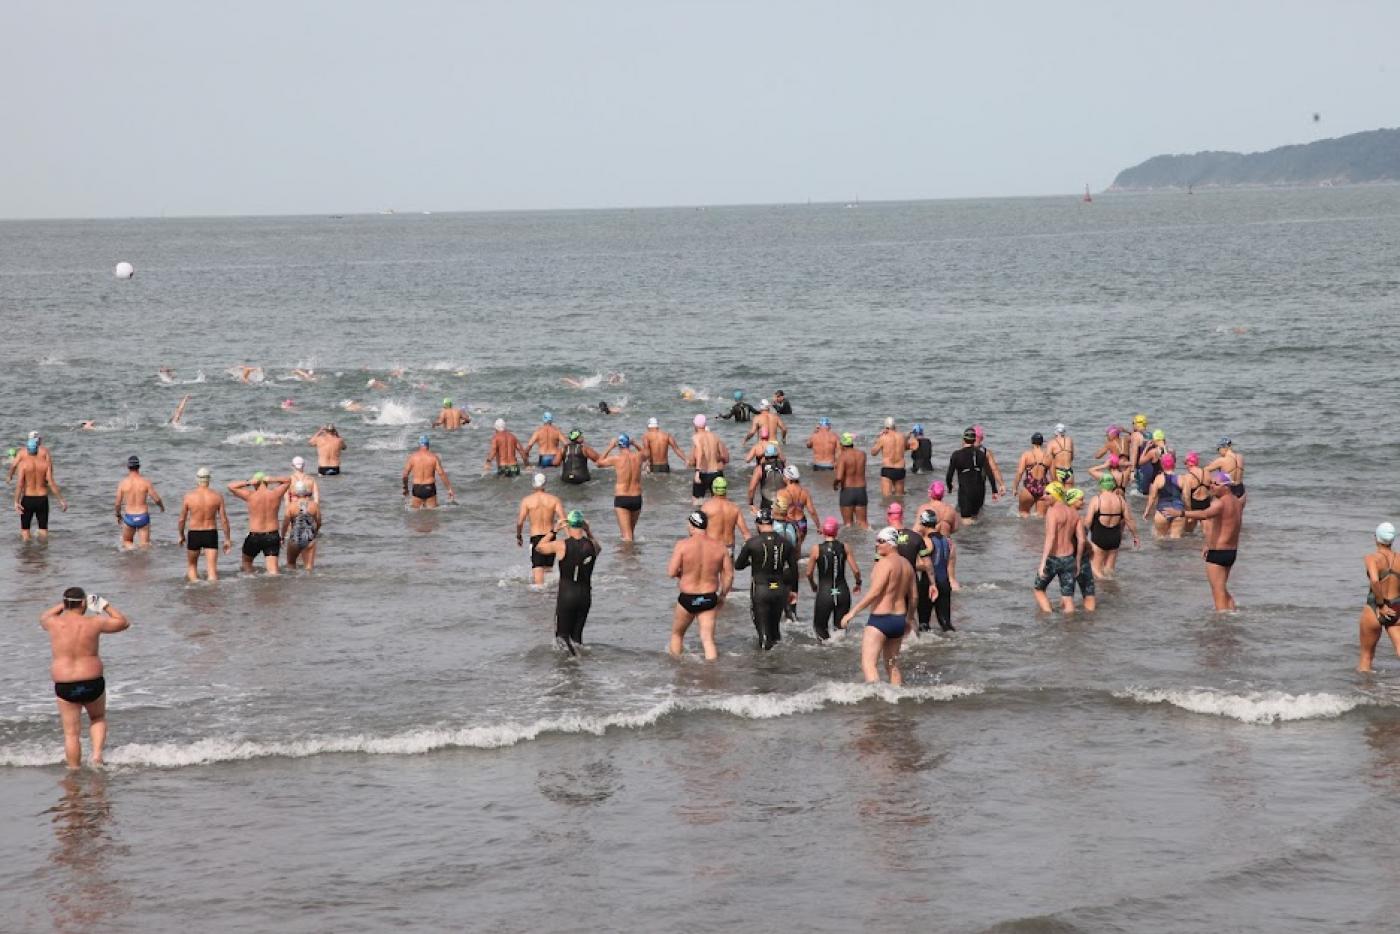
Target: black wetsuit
<point x="574" y="465"/>
<point x="940" y="550"/>
<point x="741" y="412"/>
<point x="833" y="600"/>
<point x="773" y="562"/>
<point x="910" y="546"/>
<point x="783" y="408"/>
<point x="770" y="481"/>
<point x="575" y="590"/>
<point x="969" y="466"/>
<point x="922" y="456"/>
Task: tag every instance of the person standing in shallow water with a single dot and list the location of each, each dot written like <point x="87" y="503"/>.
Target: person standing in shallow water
<point x="133" y="513"/>
<point x="893" y="598"/>
<point x="1222" y="537"/>
<point x="78" y="679"/>
<point x="1382" y="610"/>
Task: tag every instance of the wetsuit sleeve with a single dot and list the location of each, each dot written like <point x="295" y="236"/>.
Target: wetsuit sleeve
<point x="742" y="561"/>
<point x="952" y="471"/>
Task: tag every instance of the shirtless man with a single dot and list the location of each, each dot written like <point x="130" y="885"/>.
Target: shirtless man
<point x="33" y="448"/>
<point x="1222" y="536"/>
<point x="451" y="417"/>
<point x="263" y="496"/>
<point x="1033" y="475"/>
<point x="800" y="505"/>
<point x="948" y="517"/>
<point x="892" y="595"/>
<point x="627" y="484"/>
<point x="756" y="453"/>
<point x="891" y="446"/>
<point x="767" y="418"/>
<point x="549" y="440"/>
<point x="201" y="509"/>
<point x="708" y="455"/>
<point x="1230" y="462"/>
<point x="544" y="512"/>
<point x="506" y="452"/>
<point x="1061" y="554"/>
<point x="329" y="445"/>
<point x="824" y="444"/>
<point x="1061" y="448"/>
<point x="724" y="517"/>
<point x="78" y="681"/>
<point x="33" y="482"/>
<point x="422" y="469"/>
<point x="849" y="481"/>
<point x="658" y="445"/>
<point x="299" y="475"/>
<point x="704" y="574"/>
<point x="133" y="515"/>
<point x="1382" y="610"/>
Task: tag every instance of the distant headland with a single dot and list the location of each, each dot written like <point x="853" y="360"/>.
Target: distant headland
<point x="1373" y="156"/>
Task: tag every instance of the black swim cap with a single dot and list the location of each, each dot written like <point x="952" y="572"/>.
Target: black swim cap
<point x="970" y="434"/>
<point x="1036" y="438"/>
<point x="74" y="596"/>
<point x="133" y="462"/>
<point x="764" y="517"/>
<point x="698" y="519"/>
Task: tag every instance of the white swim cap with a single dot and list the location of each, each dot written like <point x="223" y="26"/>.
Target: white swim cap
<point x="764" y="403"/>
<point x="652" y="423"/>
<point x="699" y="421"/>
<point x="298" y="462"/>
<point x="790" y="471"/>
<point x="539" y="481"/>
<point x="889" y="422"/>
<point x="889" y="535"/>
<point x="203" y="474"/>
<point x="500" y="424"/>
<point x="1385" y="533"/>
<point x="1060" y="428"/>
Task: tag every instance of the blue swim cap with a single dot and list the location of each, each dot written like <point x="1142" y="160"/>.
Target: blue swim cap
<point x="32" y="445"/>
<point x="770" y="450"/>
<point x="738" y="394"/>
<point x="623" y="441"/>
<point x="548" y="417"/>
<point x="824" y="422"/>
<point x="918" y="429"/>
<point x="423" y="441"/>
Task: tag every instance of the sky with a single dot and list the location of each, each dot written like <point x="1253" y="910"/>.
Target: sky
<point x="180" y="108"/>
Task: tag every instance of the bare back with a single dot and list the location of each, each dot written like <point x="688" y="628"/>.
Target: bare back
<point x="202" y="506"/>
<point x="74" y="639"/>
<point x="699" y="563"/>
<point x="850" y="469"/>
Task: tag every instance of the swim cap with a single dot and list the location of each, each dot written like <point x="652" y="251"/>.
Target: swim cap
<point x="12" y="452"/>
<point x="575" y="434"/>
<point x="32" y="446"/>
<point x="1059" y="428"/>
<point x="35" y="436"/>
<point x="548" y="418"/>
<point x="1114" y="460"/>
<point x="738" y="394"/>
<point x="917" y="429"/>
<point x="770" y="450"/>
<point x="1169" y="461"/>
<point x="1139" y="421"/>
<point x="1107" y="483"/>
<point x="699" y="421"/>
<point x="539" y="481"/>
<point x="301" y="488"/>
<point x="653" y="423"/>
<point x="889" y="535"/>
<point x="936" y="489"/>
<point x="1074" y="496"/>
<point x="719" y="486"/>
<point x="970" y="434"/>
<point x="763" y="433"/>
<point x="928" y="517"/>
<point x="623" y="441"/>
<point x="1159" y="435"/>
<point x="298" y="462"/>
<point x="830" y="526"/>
<point x="824" y="422"/>
<point x="259" y="440"/>
<point x="1114" y="431"/>
<point x="790" y="472"/>
<point x="1192" y="459"/>
<point x="1056" y="490"/>
<point x="1037" y="438"/>
<point x="446" y="403"/>
<point x="259" y="477"/>
<point x="894" y="509"/>
<point x="202" y="475"/>
<point x="1385" y="532"/>
<point x="889" y="422"/>
<point x="763" y="404"/>
<point x="847" y="441"/>
<point x="764" y="517"/>
<point x="1225" y="442"/>
<point x="977" y="430"/>
<point x="422" y="441"/>
<point x="574" y="519"/>
<point x="1223" y="478"/>
<point x="698" y="519"/>
<point x="133" y="462"/>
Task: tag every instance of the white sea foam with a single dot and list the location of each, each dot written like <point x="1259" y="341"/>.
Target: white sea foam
<point x="398" y="442"/>
<point x="255" y="374"/>
<point x="1251" y="707"/>
<point x="52" y="360"/>
<point x="393" y="412"/>
<point x="259" y="438"/>
<point x="690" y="393"/>
<point x="198" y="378"/>
<point x="493" y="736"/>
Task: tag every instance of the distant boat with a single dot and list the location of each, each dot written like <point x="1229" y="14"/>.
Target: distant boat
<point x="1088" y="198"/>
<point x="390" y="211"/>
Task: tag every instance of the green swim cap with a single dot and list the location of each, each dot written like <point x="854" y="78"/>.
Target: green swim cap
<point x="719" y="486"/>
<point x="12" y="452"/>
<point x="847" y="440"/>
<point x="1159" y="435"/>
<point x="1107" y="483"/>
<point x="259" y="477"/>
<point x="1073" y="495"/>
<point x="446" y="403"/>
<point x="575" y="519"/>
<point x="575" y="435"/>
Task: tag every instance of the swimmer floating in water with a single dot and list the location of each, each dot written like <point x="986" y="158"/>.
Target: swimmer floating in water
<point x="179" y="412"/>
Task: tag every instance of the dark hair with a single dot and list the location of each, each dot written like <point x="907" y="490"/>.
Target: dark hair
<point x="74" y="596"/>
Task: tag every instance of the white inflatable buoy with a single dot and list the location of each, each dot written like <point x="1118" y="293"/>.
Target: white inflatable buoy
<point x="124" y="270"/>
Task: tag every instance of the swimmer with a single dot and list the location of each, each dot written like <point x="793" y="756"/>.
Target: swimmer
<point x="1165" y="497"/>
<point x="1222" y="536"/>
<point x="724" y="517"/>
<point x="757" y="452"/>
<point x="969" y="470"/>
<point x="165" y="374"/>
<point x="948" y="518"/>
<point x="627" y="484"/>
<point x="704" y="575"/>
<point x="997" y="486"/>
<point x="1115" y="442"/>
<point x="1195" y="488"/>
<point x="376" y="384"/>
<point x="301" y="525"/>
<point x="1061" y="448"/>
<point x="202" y="509"/>
<point x="891" y="446"/>
<point x="800" y="505"/>
<point x="299" y="475"/>
<point x="550" y="441"/>
<point x="250" y="374"/>
<point x="422" y="469"/>
<point x="772" y="562"/>
<point x="87" y="425"/>
<point x="708" y="457"/>
<point x="1231" y="462"/>
<point x="506" y="452"/>
<point x="893" y="600"/>
<point x="1138" y="439"/>
<point x="1382" y="610"/>
<point x="849" y="482"/>
<point x="1084" y="566"/>
<point x="614" y="409"/>
<point x="823" y="443"/>
<point x="826" y="575"/>
<point x="78" y="678"/>
<point x="920" y="450"/>
<point x="1061" y="554"/>
<point x="352" y="405"/>
<point x="179" y="412"/>
<point x="544" y="512"/>
<point x="781" y="405"/>
<point x="288" y="404"/>
<point x="263" y="496"/>
<point x="451" y="417"/>
<point x="133" y="513"/>
<point x="577" y="553"/>
<point x="1116" y="469"/>
<point x="617" y="379"/>
<point x="576" y="458"/>
<point x="942" y="561"/>
<point x="740" y="411"/>
<point x="658" y="445"/>
<point x="304" y="374"/>
<point x="1032" y="476"/>
<point x="1105" y="521"/>
<point x="767" y="479"/>
<point x="33" y="483"/>
<point x="329" y="446"/>
<point x="767" y="418"/>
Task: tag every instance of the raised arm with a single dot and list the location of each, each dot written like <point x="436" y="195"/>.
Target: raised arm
<point x="112" y="620"/>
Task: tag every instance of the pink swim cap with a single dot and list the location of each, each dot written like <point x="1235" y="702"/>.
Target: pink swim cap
<point x="936" y="489"/>
<point x="830" y="525"/>
<point x="894" y="510"/>
<point x="1114" y="431"/>
<point x="1168" y="461"/>
<point x="1114" y="460"/>
<point x="980" y="433"/>
<point x="699" y="421"/>
<point x="1192" y="459"/>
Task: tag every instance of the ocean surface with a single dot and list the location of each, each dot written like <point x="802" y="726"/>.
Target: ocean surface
<point x="395" y="742"/>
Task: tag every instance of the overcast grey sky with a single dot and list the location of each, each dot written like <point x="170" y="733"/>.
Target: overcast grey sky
<point x="336" y="107"/>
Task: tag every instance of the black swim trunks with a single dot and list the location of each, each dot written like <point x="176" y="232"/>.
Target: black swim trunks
<point x="508" y="470"/>
<point x="1224" y="557"/>
<point x="328" y="471"/>
<point x="894" y="474"/>
<point x="34" y="508"/>
<point x="698" y="602"/>
<point x="823" y="466"/>
<point x="660" y="468"/>
<point x="267" y="544"/>
<point x="80" y="692"/>
<point x="629" y="503"/>
<point x="424" y="491"/>
<point x="854" y="496"/>
<point x="199" y="539"/>
<point x="1063" y="567"/>
<point x="701" y="487"/>
<point x="538" y="560"/>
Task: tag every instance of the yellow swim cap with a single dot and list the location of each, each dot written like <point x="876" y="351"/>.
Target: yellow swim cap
<point x="1073" y="496"/>
<point x="1139" y="421"/>
<point x="1056" y="490"/>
